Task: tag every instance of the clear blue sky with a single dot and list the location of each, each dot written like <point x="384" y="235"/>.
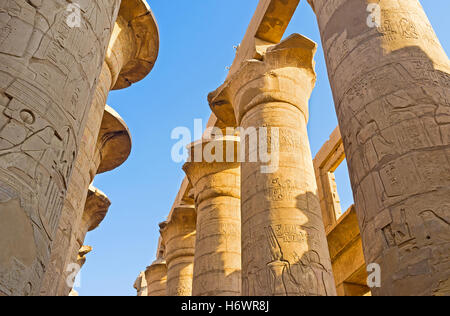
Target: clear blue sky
<point x="197" y="39"/>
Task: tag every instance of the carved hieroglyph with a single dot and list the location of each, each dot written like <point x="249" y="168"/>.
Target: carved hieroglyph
<point x="178" y="234"/>
<point x="156" y="276"/>
<point x="84" y="171"/>
<point x="141" y="285"/>
<point x="112" y="148"/>
<point x="131" y="55"/>
<point x="391" y="87"/>
<point x="48" y="73"/>
<point x="217" y="262"/>
<point x="284" y="247"/>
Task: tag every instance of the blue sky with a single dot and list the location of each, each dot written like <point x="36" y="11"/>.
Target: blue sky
<point x="197" y="39"/>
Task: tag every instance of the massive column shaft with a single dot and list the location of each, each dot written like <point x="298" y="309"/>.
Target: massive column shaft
<point x="284" y="247"/>
<point x="178" y="234"/>
<point x="217" y="263"/>
<point x="50" y="60"/>
<point x="141" y="285"/>
<point x="391" y="83"/>
<point x="131" y="54"/>
<point x="83" y="174"/>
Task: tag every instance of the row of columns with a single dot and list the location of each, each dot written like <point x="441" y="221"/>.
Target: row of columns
<point x="258" y="233"/>
<point x="391" y="86"/>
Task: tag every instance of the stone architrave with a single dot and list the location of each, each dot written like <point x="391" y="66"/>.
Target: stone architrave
<point x="51" y="55"/>
<point x="284" y="246"/>
<point x="217" y="191"/>
<point x="391" y="84"/>
<point x="178" y="234"/>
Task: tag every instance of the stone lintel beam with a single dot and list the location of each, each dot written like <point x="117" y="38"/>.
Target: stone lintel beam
<point x="156" y="276"/>
<point x="134" y="44"/>
<point x="178" y="234"/>
<point x="217" y="192"/>
<point x="276" y="81"/>
<point x="114" y="141"/>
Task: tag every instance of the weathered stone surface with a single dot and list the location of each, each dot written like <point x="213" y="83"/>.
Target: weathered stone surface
<point x="156" y="277"/>
<point x="141" y="285"/>
<point x="327" y="160"/>
<point x="135" y="43"/>
<point x="114" y="141"/>
<point x="178" y="234"/>
<point x="284" y="248"/>
<point x="73" y="293"/>
<point x="48" y="75"/>
<point x="347" y="258"/>
<point x="84" y="250"/>
<point x="343" y="235"/>
<point x="217" y="262"/>
<point x="391" y="86"/>
<point x="131" y="54"/>
<point x="95" y="210"/>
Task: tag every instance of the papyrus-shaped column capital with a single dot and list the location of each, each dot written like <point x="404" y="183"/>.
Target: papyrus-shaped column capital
<point x="156" y="276"/>
<point x="134" y="44"/>
<point x="217" y="156"/>
<point x="216" y="180"/>
<point x="114" y="142"/>
<point x="285" y="73"/>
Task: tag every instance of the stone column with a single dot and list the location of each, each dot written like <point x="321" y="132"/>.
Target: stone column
<point x="391" y="84"/>
<point x="217" y="263"/>
<point x="156" y="276"/>
<point x="141" y="285"/>
<point x="178" y="234"/>
<point x="284" y="247"/>
<point x="131" y="54"/>
<point x="50" y="61"/>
